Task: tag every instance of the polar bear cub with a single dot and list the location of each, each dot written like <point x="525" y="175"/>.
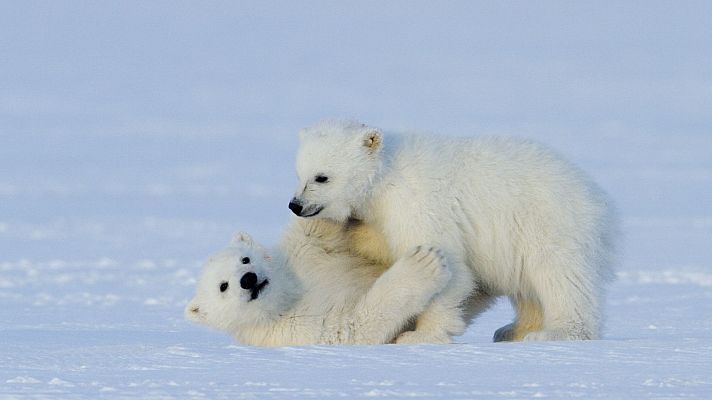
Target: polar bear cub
<point x="312" y="291"/>
<point x="508" y="214"/>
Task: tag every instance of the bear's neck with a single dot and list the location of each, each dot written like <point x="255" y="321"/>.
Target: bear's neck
<point x="285" y="291"/>
<point x="287" y="284"/>
<point x="276" y="327"/>
<point x="369" y="209"/>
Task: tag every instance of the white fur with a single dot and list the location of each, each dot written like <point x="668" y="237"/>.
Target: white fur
<point x="318" y="292"/>
<point x="509" y="214"/>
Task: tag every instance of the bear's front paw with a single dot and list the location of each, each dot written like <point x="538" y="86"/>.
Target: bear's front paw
<point x="427" y="264"/>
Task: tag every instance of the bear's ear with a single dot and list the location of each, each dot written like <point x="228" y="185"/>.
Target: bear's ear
<point x="372" y="139"/>
<point x="241" y="237"/>
<point x="193" y="312"/>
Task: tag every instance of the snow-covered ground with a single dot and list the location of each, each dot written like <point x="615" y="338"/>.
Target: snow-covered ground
<point x="135" y="137"/>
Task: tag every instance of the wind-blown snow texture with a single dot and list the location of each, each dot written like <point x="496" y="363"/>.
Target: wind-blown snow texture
<point x="135" y="137"/>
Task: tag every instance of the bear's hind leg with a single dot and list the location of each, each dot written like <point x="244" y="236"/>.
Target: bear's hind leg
<point x="570" y="305"/>
<point x="444" y="316"/>
<point x="434" y="326"/>
<point x="398" y="295"/>
<point x="529" y="319"/>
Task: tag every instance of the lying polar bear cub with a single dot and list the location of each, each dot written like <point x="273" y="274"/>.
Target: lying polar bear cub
<point x="312" y="290"/>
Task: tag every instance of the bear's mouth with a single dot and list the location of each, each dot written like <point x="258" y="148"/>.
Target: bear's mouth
<point x="255" y="292"/>
<point x="317" y="211"/>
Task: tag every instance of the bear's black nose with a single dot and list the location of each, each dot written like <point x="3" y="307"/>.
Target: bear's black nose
<point x="295" y="207"/>
<point x="248" y="281"/>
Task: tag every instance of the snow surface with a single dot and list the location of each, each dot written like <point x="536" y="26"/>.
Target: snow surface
<point x="135" y="137"/>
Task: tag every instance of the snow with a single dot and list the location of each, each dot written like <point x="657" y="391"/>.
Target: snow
<point x="136" y="137"/>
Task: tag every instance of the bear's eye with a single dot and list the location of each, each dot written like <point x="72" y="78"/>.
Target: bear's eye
<point x="223" y="287"/>
<point x="321" y="179"/>
<point x="245" y="260"/>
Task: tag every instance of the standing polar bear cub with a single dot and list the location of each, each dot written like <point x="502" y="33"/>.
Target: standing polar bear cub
<point x="511" y="217"/>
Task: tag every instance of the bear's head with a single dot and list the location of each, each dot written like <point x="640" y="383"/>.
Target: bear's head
<point x="238" y="286"/>
<point x="337" y="164"/>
